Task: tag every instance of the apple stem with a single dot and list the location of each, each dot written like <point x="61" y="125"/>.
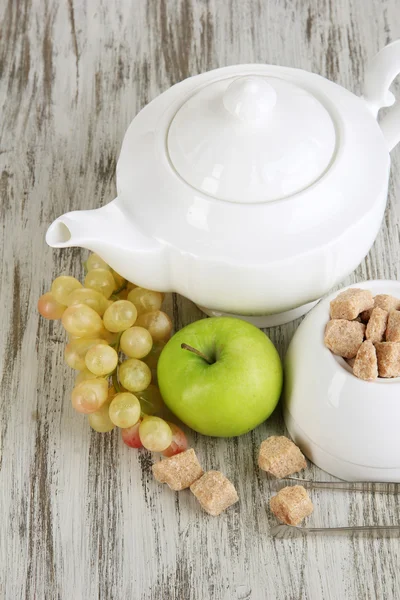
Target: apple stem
<point x="195" y="351"/>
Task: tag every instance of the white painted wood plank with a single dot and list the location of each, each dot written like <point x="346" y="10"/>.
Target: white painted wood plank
<point x="81" y="515"/>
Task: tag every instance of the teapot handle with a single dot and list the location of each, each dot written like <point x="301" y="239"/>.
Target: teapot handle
<point x="380" y="74"/>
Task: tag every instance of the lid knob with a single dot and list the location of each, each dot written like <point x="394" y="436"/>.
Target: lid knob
<point x="250" y="99"/>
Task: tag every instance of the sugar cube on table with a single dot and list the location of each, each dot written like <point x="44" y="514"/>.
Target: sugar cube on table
<point x="180" y="471"/>
<point x="291" y="505"/>
<point x="366" y="363"/>
<point x="215" y="492"/>
<point x="350" y="303"/>
<point x="388" y="354"/>
<point x="377" y="324"/>
<point x="393" y="327"/>
<point x="280" y="456"/>
<point x="344" y="337"/>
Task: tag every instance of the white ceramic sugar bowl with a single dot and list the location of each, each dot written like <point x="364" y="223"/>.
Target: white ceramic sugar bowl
<point x="346" y="426"/>
<point x="251" y="190"/>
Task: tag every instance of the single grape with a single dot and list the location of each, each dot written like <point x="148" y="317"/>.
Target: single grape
<point x="136" y="342"/>
<point x="155" y="434"/>
<point x="81" y="320"/>
<point x="119" y="280"/>
<point x="179" y="442"/>
<point x="125" y="410"/>
<point x="134" y="375"/>
<point x="63" y="286"/>
<point x="96" y="262"/>
<point x="130" y="436"/>
<point x="90" y="395"/>
<point x="90" y="297"/>
<point x="100" y="420"/>
<point x="101" y="281"/>
<point x="119" y="316"/>
<point x="75" y="352"/>
<point x="49" y="308"/>
<point x="84" y="376"/>
<point x="101" y="359"/>
<point x="157" y="323"/>
<point x="145" y="300"/>
<point x="151" y="400"/>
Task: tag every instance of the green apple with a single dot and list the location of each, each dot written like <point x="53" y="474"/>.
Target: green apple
<point x="220" y="376"/>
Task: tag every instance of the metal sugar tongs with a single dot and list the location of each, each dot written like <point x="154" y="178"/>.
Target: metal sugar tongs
<point x="282" y="531"/>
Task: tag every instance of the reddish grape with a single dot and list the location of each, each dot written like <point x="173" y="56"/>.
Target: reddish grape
<point x="130" y="436"/>
<point x="179" y="442"/>
<point x="49" y="308"/>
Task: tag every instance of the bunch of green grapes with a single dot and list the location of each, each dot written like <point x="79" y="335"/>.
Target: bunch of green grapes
<point x="116" y="331"/>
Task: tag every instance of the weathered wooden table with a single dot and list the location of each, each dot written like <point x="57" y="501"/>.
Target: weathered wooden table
<point x="80" y="515"/>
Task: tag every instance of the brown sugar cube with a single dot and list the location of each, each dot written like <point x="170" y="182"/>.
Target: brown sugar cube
<point x="344" y="337"/>
<point x="179" y="471"/>
<point x="366" y="363"/>
<point x="214" y="492"/>
<point x="291" y="505"/>
<point x="388" y="354"/>
<point x="350" y="303"/>
<point x="387" y="302"/>
<point x="280" y="456"/>
<point x="393" y="327"/>
<point x="377" y="323"/>
<point x="383" y="301"/>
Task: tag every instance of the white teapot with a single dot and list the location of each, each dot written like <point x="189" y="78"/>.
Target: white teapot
<point x="251" y="190"/>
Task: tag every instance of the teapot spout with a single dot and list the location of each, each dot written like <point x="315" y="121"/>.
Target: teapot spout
<point x="106" y="231"/>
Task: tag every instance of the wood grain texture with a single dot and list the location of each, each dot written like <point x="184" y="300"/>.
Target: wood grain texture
<point x="81" y="516"/>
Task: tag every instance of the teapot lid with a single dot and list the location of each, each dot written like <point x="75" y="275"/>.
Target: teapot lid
<point x="251" y="139"/>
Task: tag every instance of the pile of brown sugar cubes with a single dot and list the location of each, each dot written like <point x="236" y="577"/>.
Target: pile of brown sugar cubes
<point x="366" y="332"/>
<point x="279" y="456"/>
